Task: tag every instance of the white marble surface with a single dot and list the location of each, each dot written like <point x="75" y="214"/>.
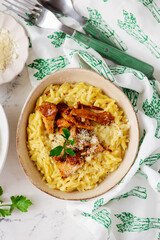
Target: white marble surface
<point x="47" y="218"/>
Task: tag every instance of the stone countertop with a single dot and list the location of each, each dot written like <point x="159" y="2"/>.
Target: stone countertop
<point x="47" y="218"/>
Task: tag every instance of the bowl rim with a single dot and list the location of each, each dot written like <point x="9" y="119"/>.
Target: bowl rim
<point x="44" y="87"/>
<point x="4" y="139"/>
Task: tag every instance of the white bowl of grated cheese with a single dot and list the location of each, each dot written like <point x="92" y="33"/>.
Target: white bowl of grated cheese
<point x="4" y="137"/>
<point x="13" y="48"/>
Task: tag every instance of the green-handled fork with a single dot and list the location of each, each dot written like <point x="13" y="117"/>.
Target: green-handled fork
<point x="66" y="8"/>
<point x="40" y="16"/>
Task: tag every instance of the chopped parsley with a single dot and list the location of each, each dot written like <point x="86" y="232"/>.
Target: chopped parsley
<point x="58" y="150"/>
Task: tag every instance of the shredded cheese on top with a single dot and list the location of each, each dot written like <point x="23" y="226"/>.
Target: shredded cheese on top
<point x="7" y="49"/>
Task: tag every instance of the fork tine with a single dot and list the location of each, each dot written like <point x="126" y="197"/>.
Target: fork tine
<point x="24" y="4"/>
<point x="21" y="14"/>
<point x="30" y="6"/>
<point x="43" y="18"/>
<point x="34" y="4"/>
<point x="33" y="13"/>
<point x="18" y="7"/>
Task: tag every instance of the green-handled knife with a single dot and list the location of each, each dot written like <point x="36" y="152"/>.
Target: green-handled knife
<point x="115" y="54"/>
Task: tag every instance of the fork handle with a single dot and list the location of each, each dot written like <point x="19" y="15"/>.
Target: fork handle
<point x="92" y="30"/>
<point x="115" y="54"/>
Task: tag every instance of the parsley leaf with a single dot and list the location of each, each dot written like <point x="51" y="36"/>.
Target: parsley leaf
<point x="66" y="133"/>
<point x="19" y="202"/>
<point x="1" y="191"/>
<point x="56" y="151"/>
<point x="5" y="212"/>
<point x="70" y="151"/>
<point x="72" y="141"/>
<point x="64" y="155"/>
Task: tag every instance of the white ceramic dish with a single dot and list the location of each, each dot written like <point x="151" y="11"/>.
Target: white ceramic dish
<point x="92" y="78"/>
<point x="22" y="43"/>
<point x="4" y="137"/>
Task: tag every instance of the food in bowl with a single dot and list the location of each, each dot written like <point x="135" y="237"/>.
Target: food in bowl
<point x="97" y="128"/>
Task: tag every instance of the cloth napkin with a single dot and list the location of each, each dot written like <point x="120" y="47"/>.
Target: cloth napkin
<point x="131" y="210"/>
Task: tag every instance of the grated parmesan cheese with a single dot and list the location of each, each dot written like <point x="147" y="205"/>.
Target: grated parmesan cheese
<point x="57" y="139"/>
<point x="83" y="137"/>
<point x="7" y="49"/>
<point x="94" y="140"/>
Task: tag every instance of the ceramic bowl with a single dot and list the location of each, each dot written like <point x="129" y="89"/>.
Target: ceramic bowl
<point x="4" y="137"/>
<point x="21" y="40"/>
<point x="92" y="78"/>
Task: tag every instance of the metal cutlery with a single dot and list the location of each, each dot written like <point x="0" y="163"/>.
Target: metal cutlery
<point x="36" y="14"/>
<point x="66" y="8"/>
<point x="40" y="16"/>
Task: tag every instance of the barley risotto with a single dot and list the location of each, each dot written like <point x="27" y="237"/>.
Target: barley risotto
<point x="90" y="130"/>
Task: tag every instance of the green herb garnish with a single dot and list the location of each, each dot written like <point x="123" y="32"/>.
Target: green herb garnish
<point x="19" y="202"/>
<point x="58" y="150"/>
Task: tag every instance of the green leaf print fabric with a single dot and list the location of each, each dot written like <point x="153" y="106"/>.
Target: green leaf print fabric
<point x="131" y="210"/>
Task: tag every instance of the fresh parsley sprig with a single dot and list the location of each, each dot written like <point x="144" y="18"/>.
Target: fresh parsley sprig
<point x="58" y="150"/>
<point x="19" y="202"/>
